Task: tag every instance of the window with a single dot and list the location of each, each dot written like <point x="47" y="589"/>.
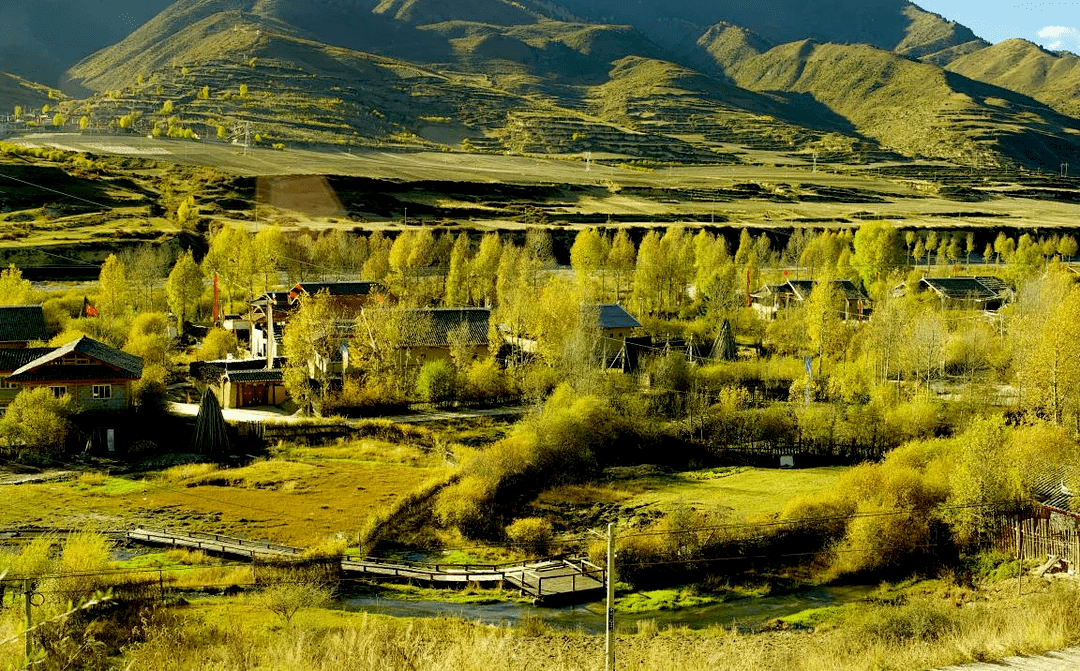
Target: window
<point x="59" y="391"/>
<point x="102" y="391"/>
<point x="4" y="384"/>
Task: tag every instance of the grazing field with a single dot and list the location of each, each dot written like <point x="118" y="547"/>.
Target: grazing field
<point x="300" y="496"/>
<point x="738" y="492"/>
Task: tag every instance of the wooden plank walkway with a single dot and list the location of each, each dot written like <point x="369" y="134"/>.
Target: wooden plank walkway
<point x="222" y="545"/>
<point x="554" y="580"/>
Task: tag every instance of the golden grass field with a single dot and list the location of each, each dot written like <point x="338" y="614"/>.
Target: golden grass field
<point x="300" y="496"/>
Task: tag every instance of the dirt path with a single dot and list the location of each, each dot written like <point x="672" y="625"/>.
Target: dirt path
<point x="1051" y="661"/>
<point x="275" y="415"/>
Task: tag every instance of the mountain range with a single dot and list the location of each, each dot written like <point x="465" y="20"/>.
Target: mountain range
<point x="683" y="80"/>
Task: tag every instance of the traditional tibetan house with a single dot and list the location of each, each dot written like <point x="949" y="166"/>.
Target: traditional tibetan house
<point x="967" y="293"/>
<point x="242" y="383"/>
<point x="616" y="326"/>
<point x="94" y="375"/>
<point x="347" y="299"/>
<point x="769" y="298"/>
<point x="433" y="330"/>
<point x="856" y="303"/>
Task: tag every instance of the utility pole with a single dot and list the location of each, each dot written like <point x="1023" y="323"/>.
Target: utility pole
<point x="609" y="640"/>
<point x="28" y="592"/>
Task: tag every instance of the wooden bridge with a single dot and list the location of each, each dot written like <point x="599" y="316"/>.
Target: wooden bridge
<point x="559" y="580"/>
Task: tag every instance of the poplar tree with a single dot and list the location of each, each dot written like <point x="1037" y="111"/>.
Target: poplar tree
<point x="648" y="273"/>
<point x="621" y="260"/>
<point x="115" y="296"/>
<point x="457" y="278"/>
<point x="184" y="288"/>
<point x="14" y="290"/>
<point x="484" y="270"/>
<point x="377" y="265"/>
<point x="309" y="340"/>
<point x="587" y="257"/>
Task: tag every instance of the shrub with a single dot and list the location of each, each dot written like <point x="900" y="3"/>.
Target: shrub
<point x="531" y="534"/>
<point x="484" y="380"/>
<point x="36" y="420"/>
<point x="284" y="599"/>
<point x="436" y="381"/>
<point x="217" y="344"/>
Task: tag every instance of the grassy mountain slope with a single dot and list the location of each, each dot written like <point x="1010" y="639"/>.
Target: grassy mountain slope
<point x="667" y="98"/>
<point x="727" y="44"/>
<point x="888" y="24"/>
<point x="41" y="39"/>
<point x="930" y="34"/>
<point x="499" y="12"/>
<point x="915" y="108"/>
<point x="1019" y="65"/>
<point x="15" y="90"/>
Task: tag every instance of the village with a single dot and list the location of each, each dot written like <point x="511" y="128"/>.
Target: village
<point x="905" y="411"/>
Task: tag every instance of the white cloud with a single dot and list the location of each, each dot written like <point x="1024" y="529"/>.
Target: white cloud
<point x="1053" y="32"/>
<point x="1060" y="37"/>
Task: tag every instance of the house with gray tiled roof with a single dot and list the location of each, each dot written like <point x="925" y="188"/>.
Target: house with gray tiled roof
<point x="771" y="298"/>
<point x="11" y="360"/>
<point x="242" y="383"/>
<point x="94" y="375"/>
<point x="435" y="327"/>
<point x="968" y="293"/>
<point x="22" y="324"/>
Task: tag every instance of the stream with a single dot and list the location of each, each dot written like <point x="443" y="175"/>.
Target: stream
<point x="744" y="613"/>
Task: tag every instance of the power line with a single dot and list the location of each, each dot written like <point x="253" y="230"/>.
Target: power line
<point x="45" y="188"/>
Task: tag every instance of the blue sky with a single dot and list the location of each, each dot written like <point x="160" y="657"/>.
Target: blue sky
<point x="1054" y="25"/>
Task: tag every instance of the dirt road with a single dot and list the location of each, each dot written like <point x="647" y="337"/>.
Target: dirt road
<point x="1059" y="660"/>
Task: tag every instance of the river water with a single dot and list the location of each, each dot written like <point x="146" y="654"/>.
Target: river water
<point x="744" y="613"/>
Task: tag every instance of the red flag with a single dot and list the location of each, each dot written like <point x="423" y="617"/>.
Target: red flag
<point x="87" y="309"/>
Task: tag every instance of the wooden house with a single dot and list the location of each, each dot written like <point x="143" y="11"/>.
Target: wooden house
<point x="767" y="300"/>
<point x="433" y="329"/>
<point x="242" y="383"/>
<point x="93" y="375"/>
<point x="347" y="299"/>
<point x="856" y="304"/>
<point x="967" y="293"/>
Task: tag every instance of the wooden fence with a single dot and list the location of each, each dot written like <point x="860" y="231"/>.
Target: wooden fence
<point x="1042" y="536"/>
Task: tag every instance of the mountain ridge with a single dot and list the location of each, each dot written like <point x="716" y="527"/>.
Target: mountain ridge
<point x="580" y="76"/>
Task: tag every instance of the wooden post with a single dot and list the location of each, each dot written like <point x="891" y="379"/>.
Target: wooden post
<point x="1020" y="559"/>
<point x="609" y="640"/>
<point x="28" y="593"/>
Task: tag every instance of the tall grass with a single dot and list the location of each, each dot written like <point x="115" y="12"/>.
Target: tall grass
<point x="922" y="634"/>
